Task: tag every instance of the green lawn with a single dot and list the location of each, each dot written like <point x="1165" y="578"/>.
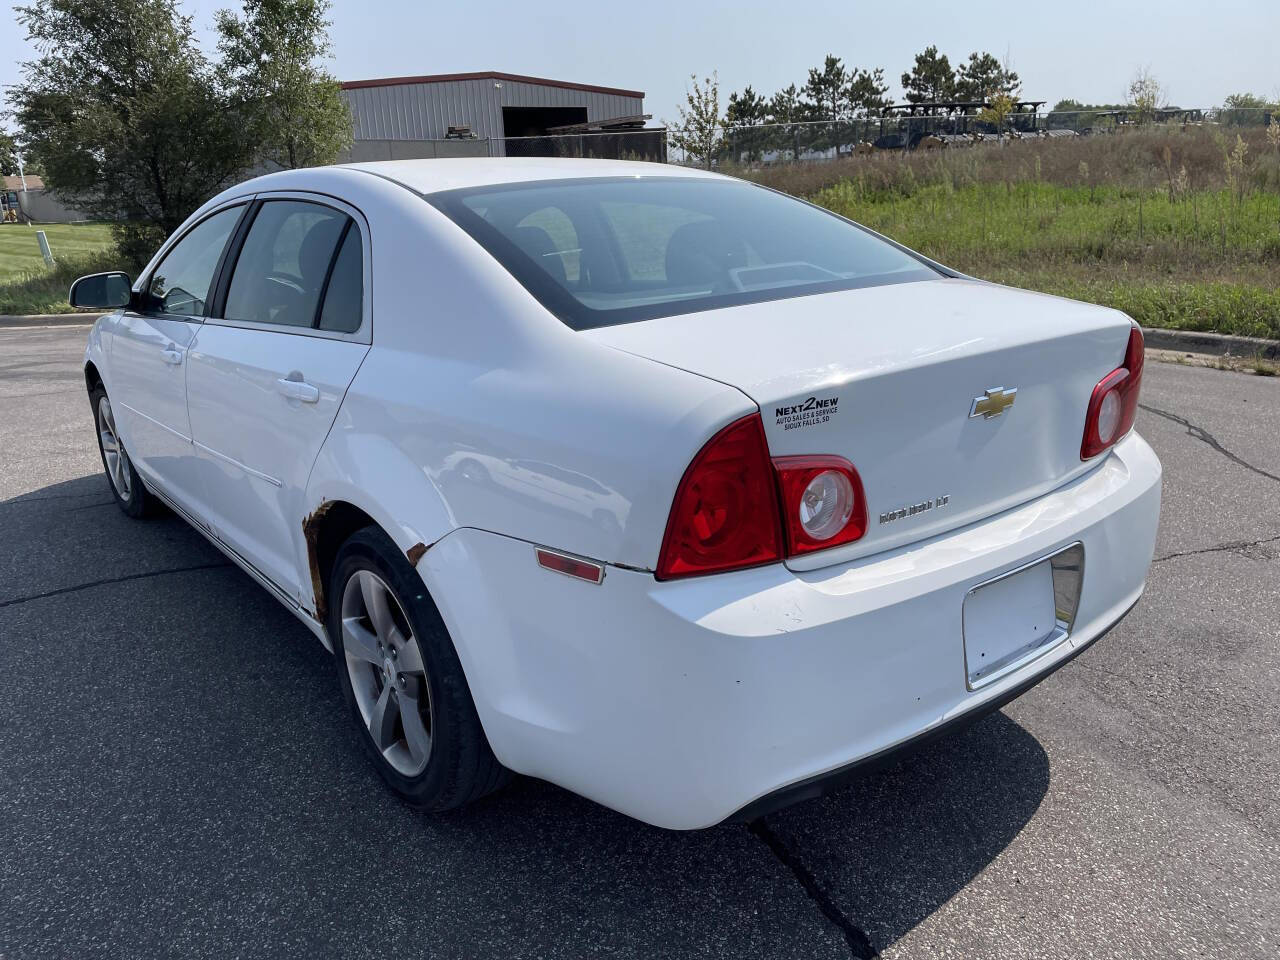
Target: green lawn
<point x="20" y="254"/>
<point x="27" y="285"/>
<point x="1205" y="260"/>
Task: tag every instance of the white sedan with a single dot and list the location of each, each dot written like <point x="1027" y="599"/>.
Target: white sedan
<point x="683" y="494"/>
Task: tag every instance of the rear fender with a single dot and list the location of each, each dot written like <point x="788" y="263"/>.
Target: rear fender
<point x="372" y="474"/>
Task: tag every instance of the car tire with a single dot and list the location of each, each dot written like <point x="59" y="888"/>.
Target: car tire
<point x="126" y="486"/>
<point x="394" y="655"/>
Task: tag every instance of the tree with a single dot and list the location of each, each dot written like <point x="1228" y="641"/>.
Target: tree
<point x="839" y="94"/>
<point x="1146" y="94"/>
<point x="1245" y="101"/>
<point x="1075" y="115"/>
<point x="700" y="133"/>
<point x="826" y="88"/>
<point x="826" y="92"/>
<point x="789" y="107"/>
<point x="984" y="77"/>
<point x="744" y="112"/>
<point x="293" y="110"/>
<point x="997" y="111"/>
<point x="1245" y="109"/>
<point x="931" y="79"/>
<point x="867" y="91"/>
<point x="746" y="109"/>
<point x="123" y="113"/>
<point x="8" y="155"/>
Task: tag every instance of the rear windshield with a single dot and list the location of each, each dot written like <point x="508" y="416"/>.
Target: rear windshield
<point x="605" y="251"/>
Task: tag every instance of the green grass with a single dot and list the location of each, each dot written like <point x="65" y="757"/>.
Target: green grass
<point x="1205" y="260"/>
<point x="27" y="286"/>
<point x="20" y="254"/>
<point x="1222" y="306"/>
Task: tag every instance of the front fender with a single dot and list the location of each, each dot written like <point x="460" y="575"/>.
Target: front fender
<point x="97" y="348"/>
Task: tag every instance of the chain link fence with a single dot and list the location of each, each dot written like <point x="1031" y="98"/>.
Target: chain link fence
<point x="830" y="140"/>
<point x="820" y="140"/>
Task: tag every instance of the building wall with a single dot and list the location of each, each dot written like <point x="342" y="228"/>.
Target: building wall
<point x="42" y="207"/>
<point x="425" y="111"/>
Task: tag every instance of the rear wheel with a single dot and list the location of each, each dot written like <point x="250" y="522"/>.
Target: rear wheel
<point x="126" y="485"/>
<point x="402" y="679"/>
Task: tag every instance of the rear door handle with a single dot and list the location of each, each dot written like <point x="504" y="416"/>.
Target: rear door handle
<point x="298" y="390"/>
<point x="172" y="355"/>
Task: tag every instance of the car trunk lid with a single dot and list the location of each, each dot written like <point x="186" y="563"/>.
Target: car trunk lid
<point x="889" y="377"/>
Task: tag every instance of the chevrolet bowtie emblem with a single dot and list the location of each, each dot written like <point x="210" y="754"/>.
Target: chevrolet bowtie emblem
<point x="993" y="403"/>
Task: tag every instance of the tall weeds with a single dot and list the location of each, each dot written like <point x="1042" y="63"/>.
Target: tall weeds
<point x="1178" y="229"/>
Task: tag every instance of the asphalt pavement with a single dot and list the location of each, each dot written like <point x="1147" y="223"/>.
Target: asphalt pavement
<point x="178" y="777"/>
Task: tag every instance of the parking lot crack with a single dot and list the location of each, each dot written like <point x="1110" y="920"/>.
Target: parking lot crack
<point x="859" y="943"/>
<point x="1231" y="546"/>
<point x="1199" y="433"/>
<point x="110" y="580"/>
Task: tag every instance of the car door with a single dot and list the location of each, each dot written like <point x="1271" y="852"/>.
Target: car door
<point x="289" y="328"/>
<point x="147" y="374"/>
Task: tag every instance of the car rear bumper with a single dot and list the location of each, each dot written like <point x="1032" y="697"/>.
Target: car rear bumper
<point x="823" y="783"/>
<point x="688" y="702"/>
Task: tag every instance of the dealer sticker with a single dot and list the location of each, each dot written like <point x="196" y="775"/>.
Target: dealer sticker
<point x="809" y="413"/>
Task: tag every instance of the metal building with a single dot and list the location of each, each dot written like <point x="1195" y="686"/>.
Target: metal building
<point x="468" y="114"/>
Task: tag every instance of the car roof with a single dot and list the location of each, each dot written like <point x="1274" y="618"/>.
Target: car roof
<point x="454" y="173"/>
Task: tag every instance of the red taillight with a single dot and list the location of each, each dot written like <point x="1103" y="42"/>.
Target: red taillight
<point x="725" y="513"/>
<point x="1114" y="404"/>
<point x="822" y="502"/>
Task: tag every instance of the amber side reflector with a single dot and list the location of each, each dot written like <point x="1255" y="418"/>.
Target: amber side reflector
<point x="570" y="566"/>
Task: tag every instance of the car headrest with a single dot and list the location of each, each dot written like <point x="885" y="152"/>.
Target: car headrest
<point x="537" y="243"/>
<point x="703" y="252"/>
<point x="314" y="252"/>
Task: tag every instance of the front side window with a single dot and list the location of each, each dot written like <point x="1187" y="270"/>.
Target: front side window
<point x="179" y="286"/>
<point x="598" y="252"/>
<point x="284" y="264"/>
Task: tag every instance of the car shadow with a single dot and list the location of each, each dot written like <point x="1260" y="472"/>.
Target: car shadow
<point x="887" y="850"/>
<point x="206" y="787"/>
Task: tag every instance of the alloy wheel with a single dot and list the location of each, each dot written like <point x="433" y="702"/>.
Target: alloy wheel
<point x="113" y="452"/>
<point x="388" y="678"/>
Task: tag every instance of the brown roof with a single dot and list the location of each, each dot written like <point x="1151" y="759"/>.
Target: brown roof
<point x="15" y="183"/>
<point x="489" y="75"/>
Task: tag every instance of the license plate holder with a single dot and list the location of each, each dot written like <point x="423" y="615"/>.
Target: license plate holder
<point x="1021" y="615"/>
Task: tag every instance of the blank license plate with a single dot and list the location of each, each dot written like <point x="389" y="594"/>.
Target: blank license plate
<point x="1008" y="622"/>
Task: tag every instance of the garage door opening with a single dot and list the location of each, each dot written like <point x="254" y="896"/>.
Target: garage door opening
<point x="535" y="121"/>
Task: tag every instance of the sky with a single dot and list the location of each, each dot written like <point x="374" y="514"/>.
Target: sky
<point x="1086" y="51"/>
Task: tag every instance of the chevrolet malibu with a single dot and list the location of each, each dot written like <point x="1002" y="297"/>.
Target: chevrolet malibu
<point x="683" y="494"/>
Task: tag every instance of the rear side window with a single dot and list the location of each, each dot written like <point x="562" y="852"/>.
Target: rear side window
<point x="344" y="299"/>
<point x="601" y="251"/>
<point x="283" y="266"/>
<point x="179" y="286"/>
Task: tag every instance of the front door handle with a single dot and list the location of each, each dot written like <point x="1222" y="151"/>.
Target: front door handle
<point x="172" y="355"/>
<point x="298" y="390"/>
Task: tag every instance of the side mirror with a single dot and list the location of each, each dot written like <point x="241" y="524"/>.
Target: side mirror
<point x="102" y="291"/>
